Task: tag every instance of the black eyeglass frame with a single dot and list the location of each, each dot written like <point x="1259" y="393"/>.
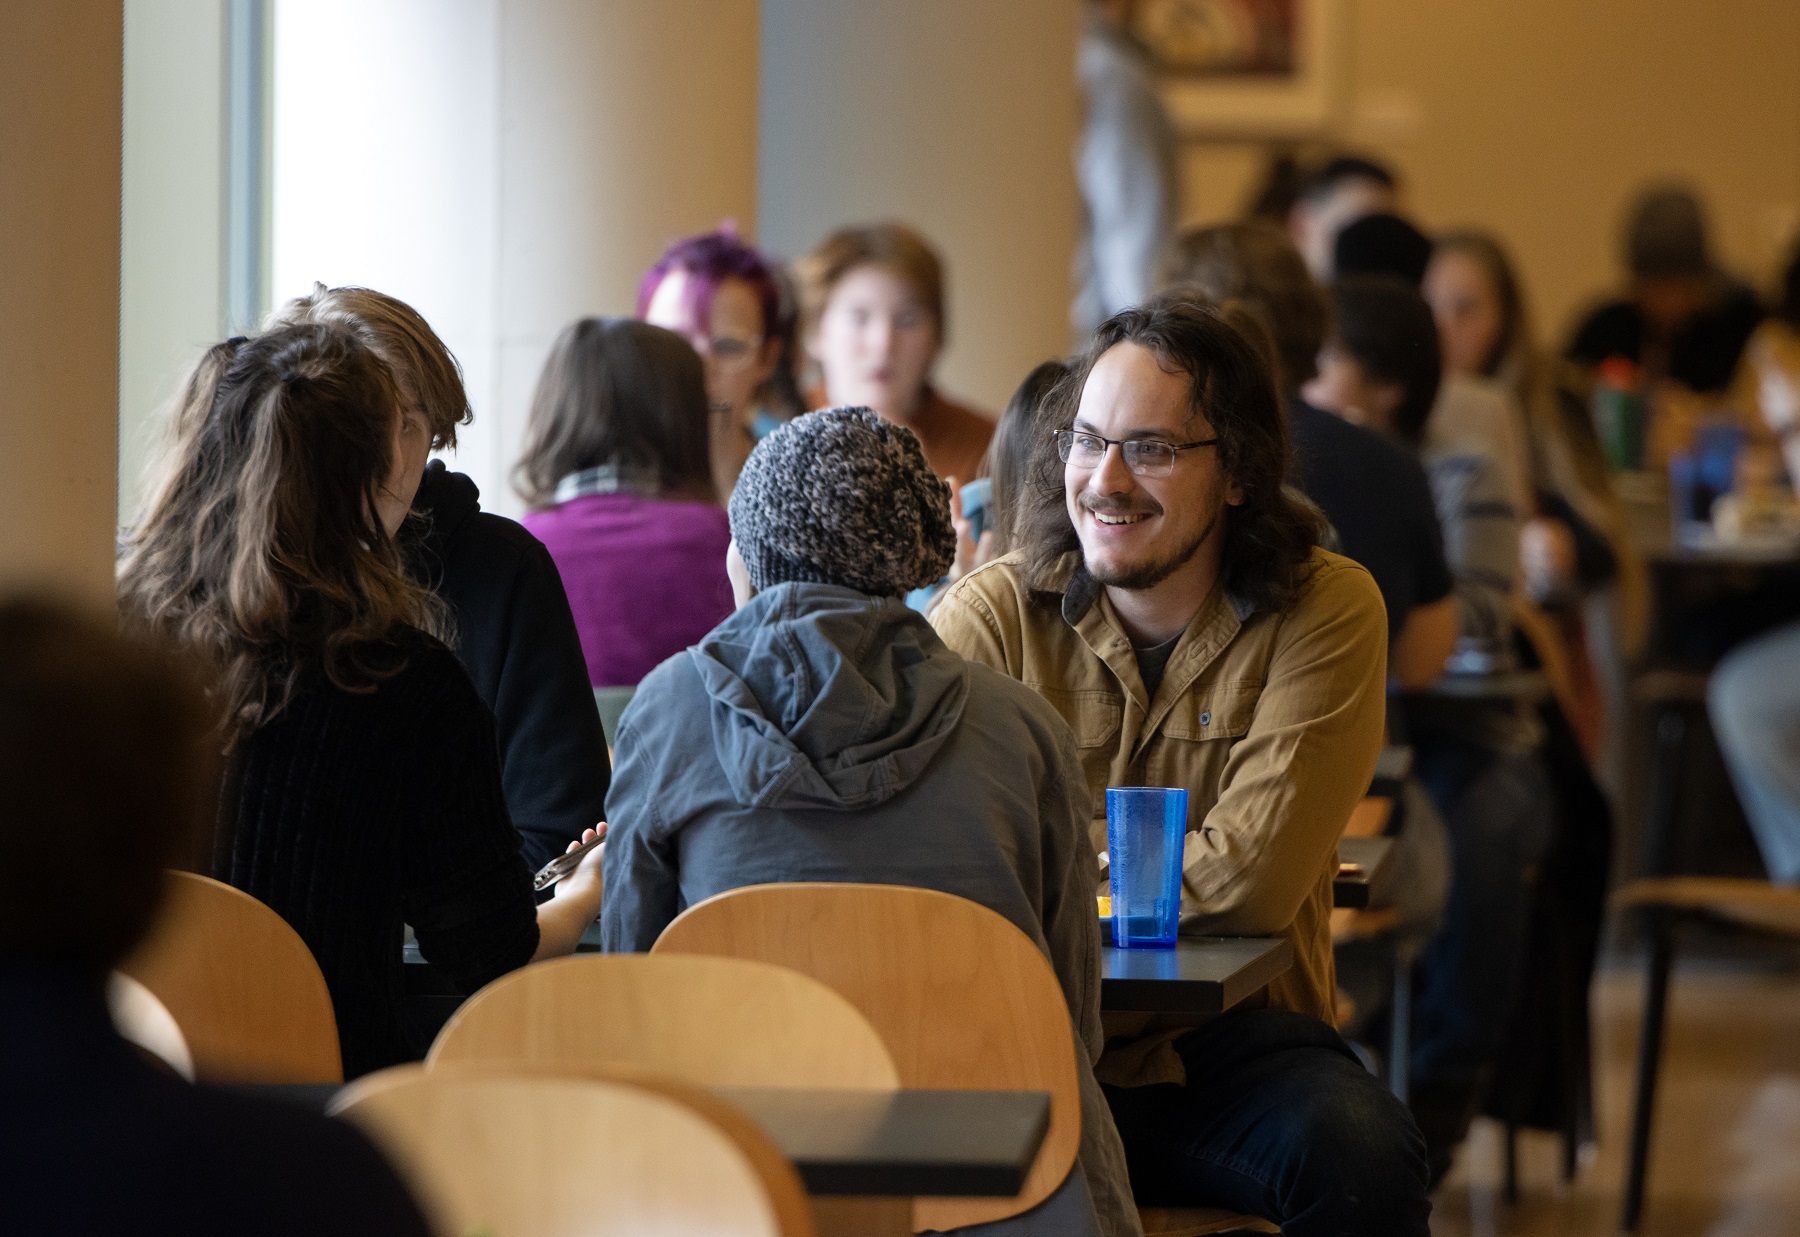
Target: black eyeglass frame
<point x="1129" y="449"/>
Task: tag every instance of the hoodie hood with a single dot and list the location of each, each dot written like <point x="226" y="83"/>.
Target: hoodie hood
<point x="444" y="503"/>
<point x="825" y="697"/>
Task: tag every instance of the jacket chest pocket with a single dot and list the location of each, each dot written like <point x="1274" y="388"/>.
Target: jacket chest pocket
<point x="1221" y="711"/>
<point x="1093" y="715"/>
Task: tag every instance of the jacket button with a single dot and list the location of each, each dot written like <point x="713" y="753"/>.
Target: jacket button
<point x="1206" y="719"/>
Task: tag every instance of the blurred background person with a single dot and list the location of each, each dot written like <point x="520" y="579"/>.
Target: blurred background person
<point x="872" y="301"/>
<point x="617" y="473"/>
<point x="510" y="620"/>
<point x="1128" y="166"/>
<point x="1767" y="385"/>
<point x="109" y="748"/>
<point x="1681" y="325"/>
<point x="1373" y="490"/>
<point x="1576" y="552"/>
<point x="1477" y="758"/>
<point x="1334" y="194"/>
<point x="728" y="300"/>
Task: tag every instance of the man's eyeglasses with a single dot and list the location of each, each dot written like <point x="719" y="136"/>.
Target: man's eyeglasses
<point x="1146" y="457"/>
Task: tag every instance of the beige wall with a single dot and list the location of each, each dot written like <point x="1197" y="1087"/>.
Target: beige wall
<point x="1538" y="119"/>
<point x="956" y="117"/>
<point x="60" y="70"/>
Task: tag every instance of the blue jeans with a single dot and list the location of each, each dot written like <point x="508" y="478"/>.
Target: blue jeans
<point x="1277" y="1119"/>
<point x="1754" y="701"/>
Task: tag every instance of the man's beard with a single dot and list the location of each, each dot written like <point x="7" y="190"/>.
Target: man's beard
<point x="1149" y="575"/>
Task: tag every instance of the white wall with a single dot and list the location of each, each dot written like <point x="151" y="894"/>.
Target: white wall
<point x="171" y="290"/>
<point x="956" y="117"/>
<point x="385" y="145"/>
<point x="505" y="166"/>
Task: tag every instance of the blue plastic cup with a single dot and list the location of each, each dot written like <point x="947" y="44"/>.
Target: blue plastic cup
<point x="1145" y="828"/>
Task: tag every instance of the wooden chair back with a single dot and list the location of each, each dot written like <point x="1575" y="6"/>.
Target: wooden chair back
<point x="146" y="1022"/>
<point x="531" y="1155"/>
<point x="963" y="999"/>
<point x="711" y="1022"/>
<point x="241" y="984"/>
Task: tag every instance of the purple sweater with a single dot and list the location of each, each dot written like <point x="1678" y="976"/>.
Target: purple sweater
<point x="645" y="577"/>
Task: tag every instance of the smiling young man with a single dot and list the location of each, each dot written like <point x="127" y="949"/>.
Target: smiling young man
<point x="1169" y="598"/>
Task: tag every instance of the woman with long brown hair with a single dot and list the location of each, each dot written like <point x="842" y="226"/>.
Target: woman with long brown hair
<point x="364" y="783"/>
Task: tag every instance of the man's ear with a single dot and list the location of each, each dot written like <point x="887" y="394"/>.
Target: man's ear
<point x="1234" y="495"/>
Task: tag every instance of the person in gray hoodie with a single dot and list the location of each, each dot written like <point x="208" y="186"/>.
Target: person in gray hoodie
<point x="823" y="732"/>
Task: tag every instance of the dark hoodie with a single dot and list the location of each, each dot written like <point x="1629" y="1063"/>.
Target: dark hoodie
<point x="517" y="639"/>
<point x="820" y="734"/>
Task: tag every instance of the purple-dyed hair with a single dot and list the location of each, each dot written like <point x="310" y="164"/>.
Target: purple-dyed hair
<point x="710" y="259"/>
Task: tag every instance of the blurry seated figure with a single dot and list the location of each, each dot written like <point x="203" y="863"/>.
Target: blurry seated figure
<point x="1682" y="322"/>
<point x="617" y="474"/>
<point x="1332" y="196"/>
<point x="726" y="299"/>
<point x="1767" y="385"/>
<point x="1577" y="555"/>
<point x="873" y="322"/>
<point x="1477" y="758"/>
<point x="1471" y="414"/>
<point x="1754" y="701"/>
<point x="108" y="760"/>
<point x="510" y="620"/>
<point x="823" y="732"/>
<point x="364" y="789"/>
<point x="1170" y="600"/>
<point x="1371" y="488"/>
<point x="1128" y="163"/>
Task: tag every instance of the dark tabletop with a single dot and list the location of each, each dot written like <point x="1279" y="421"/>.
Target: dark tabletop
<point x="1371" y="854"/>
<point x="1201" y="975"/>
<point x="884" y="1143"/>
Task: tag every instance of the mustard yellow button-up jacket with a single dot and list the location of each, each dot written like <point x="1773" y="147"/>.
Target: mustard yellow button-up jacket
<point x="1272" y="721"/>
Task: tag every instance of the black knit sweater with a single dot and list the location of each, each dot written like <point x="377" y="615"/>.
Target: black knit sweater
<point x="353" y="813"/>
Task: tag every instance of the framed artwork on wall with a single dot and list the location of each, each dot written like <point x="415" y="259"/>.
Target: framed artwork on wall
<point x="1248" y="68"/>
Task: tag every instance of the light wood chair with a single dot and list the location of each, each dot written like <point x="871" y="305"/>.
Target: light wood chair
<point x="530" y="1155"/>
<point x="241" y="984"/>
<point x="711" y="1022"/>
<point x="143" y="1020"/>
<point x="962" y="998"/>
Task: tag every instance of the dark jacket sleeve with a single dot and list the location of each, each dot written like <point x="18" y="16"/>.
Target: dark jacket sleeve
<point x="641" y="868"/>
<point x="553" y="751"/>
<point x="463" y="886"/>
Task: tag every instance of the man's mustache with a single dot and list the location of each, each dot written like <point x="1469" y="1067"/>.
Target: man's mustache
<point x="1110" y="506"/>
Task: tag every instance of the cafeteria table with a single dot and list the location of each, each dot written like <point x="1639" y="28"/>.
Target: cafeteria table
<point x="868" y="1143"/>
<point x="1362" y="863"/>
<point x="1201" y="975"/>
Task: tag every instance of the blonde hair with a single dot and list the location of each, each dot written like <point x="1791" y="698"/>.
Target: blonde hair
<point x="426" y="370"/>
<point x="892" y="245"/>
<point x="262" y="549"/>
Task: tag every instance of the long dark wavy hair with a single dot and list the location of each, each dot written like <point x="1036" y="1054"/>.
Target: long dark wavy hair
<point x="1269" y="537"/>
<point x="262" y="550"/>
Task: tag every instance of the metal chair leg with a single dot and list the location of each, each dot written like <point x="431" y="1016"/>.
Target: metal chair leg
<point x="1400" y="1027"/>
<point x="1656" y="993"/>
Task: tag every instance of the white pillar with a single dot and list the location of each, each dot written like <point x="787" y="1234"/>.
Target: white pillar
<point x="959" y="118"/>
<point x="60" y="74"/>
<point x="506" y="166"/>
